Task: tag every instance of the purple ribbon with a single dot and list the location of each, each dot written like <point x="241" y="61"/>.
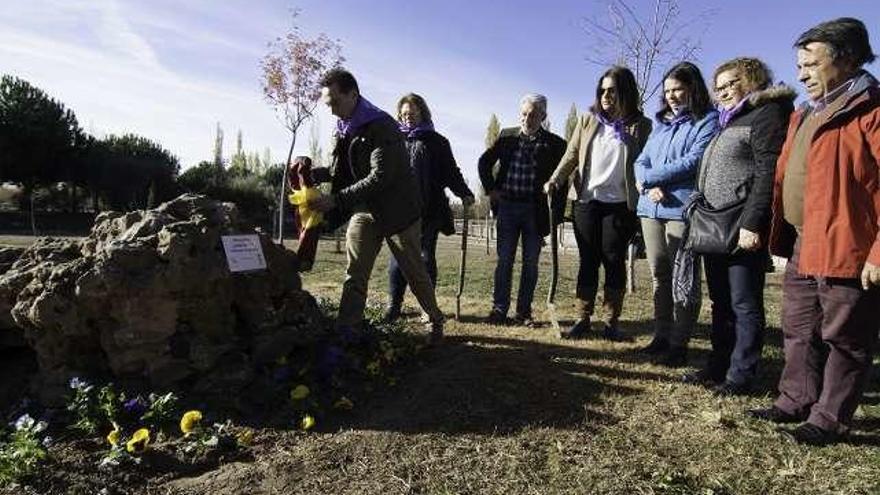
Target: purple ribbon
<point x="364" y="113"/>
<point x="414" y="131"/>
<point x="725" y="115"/>
<point x="617" y="125"/>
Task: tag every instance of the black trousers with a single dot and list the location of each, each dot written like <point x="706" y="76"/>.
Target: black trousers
<point x="602" y="231"/>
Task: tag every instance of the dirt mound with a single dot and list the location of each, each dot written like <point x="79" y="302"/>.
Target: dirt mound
<point x="148" y="299"/>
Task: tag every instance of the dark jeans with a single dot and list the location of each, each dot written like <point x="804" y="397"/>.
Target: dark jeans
<point x="516" y="221"/>
<point x="397" y="282"/>
<point x="830" y="327"/>
<point x="736" y="288"/>
<point x="602" y="231"/>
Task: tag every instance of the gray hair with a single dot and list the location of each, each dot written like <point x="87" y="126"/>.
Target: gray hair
<point x="536" y="100"/>
<point x="845" y="37"/>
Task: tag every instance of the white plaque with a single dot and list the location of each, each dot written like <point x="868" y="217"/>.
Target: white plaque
<point x="244" y="253"/>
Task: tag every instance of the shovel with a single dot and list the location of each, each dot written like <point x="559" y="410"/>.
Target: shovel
<point x="461" y="266"/>
<point x="554" y="262"/>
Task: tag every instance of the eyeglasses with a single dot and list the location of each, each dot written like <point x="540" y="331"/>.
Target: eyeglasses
<point x="728" y="85"/>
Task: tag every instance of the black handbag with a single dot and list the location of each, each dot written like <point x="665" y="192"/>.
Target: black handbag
<point x="713" y="230"/>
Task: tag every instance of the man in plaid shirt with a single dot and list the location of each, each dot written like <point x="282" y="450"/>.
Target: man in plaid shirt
<point x="527" y="156"/>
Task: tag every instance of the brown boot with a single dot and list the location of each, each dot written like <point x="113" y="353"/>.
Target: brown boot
<point x="612" y="306"/>
<point x="582" y="326"/>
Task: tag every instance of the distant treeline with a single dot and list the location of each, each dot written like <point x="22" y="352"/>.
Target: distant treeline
<point x="54" y="165"/>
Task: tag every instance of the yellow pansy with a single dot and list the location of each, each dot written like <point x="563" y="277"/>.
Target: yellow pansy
<point x="308" y="421"/>
<point x="190" y="421"/>
<point x="113" y="437"/>
<point x="299" y="392"/>
<point x="138" y="441"/>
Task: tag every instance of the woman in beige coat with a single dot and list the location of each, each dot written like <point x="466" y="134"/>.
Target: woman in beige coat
<point x="598" y="168"/>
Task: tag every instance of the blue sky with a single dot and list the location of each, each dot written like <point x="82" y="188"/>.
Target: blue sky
<point x="171" y="70"/>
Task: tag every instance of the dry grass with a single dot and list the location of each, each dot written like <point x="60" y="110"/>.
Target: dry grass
<point x="515" y="410"/>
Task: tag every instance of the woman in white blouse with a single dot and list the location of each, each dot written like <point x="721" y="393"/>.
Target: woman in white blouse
<point x="598" y="168"/>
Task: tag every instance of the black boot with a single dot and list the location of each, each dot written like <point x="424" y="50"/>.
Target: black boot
<point x="614" y="334"/>
<point x="675" y="357"/>
<point x="578" y="331"/>
<point x="656" y="347"/>
<point x="392" y="314"/>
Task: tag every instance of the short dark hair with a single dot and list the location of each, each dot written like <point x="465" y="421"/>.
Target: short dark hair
<point x="417" y="101"/>
<point x="342" y="78"/>
<point x="698" y="96"/>
<point x="846" y="37"/>
<point x="626" y="103"/>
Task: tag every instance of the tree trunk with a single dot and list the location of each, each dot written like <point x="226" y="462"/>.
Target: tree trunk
<point x="631" y="268"/>
<point x="33" y="212"/>
<point x="282" y="199"/>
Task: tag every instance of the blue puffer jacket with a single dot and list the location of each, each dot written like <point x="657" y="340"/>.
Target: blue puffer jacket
<point x="670" y="161"/>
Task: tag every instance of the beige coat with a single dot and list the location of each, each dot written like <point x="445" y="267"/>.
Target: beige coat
<point x="575" y="164"/>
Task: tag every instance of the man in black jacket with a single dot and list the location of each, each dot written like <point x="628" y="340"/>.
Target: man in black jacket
<point x="372" y="183"/>
<point x="527" y="156"/>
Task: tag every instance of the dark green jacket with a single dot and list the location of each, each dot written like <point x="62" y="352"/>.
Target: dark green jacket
<point x="370" y="171"/>
<point x="548" y="152"/>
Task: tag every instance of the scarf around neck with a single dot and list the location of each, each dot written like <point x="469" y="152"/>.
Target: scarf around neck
<point x="673" y="119"/>
<point x="414" y="131"/>
<point x="364" y="113"/>
<point x="617" y="125"/>
<point x="725" y="115"/>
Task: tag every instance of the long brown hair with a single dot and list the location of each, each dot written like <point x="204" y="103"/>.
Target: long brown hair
<point x="626" y="91"/>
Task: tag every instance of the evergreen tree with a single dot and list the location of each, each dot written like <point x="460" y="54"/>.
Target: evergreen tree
<point x="239" y="159"/>
<point x="254" y="164"/>
<point x="315" y="152"/>
<point x="492" y="131"/>
<point x="571" y="122"/>
<point x="218" y="148"/>
<point x="267" y="160"/>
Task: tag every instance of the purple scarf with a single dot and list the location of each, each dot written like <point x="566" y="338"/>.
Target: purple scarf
<point x="364" y="113"/>
<point x="725" y="115"/>
<point x="414" y="131"/>
<point x="617" y="125"/>
<point x="672" y="119"/>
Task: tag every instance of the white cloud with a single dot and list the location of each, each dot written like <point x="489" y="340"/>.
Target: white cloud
<point x="171" y="73"/>
<point x="111" y="77"/>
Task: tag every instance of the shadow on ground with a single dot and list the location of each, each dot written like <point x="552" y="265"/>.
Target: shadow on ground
<point x="488" y="385"/>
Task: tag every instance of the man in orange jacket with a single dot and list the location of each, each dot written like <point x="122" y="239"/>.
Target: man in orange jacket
<point x="831" y="289"/>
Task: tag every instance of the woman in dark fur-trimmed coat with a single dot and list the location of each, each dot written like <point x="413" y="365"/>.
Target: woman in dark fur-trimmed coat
<point x="432" y="163"/>
<point x="739" y="163"/>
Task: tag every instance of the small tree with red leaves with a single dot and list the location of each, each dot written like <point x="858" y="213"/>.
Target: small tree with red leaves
<point x="291" y="83"/>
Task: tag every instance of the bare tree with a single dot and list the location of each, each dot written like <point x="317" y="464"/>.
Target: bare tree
<point x="647" y="40"/>
<point x="291" y="83"/>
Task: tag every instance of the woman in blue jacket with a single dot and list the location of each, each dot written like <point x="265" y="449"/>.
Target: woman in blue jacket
<point x="666" y="172"/>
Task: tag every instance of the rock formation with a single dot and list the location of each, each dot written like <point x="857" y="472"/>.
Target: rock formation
<point x="148" y="297"/>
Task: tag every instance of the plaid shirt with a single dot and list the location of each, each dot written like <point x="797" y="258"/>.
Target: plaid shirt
<point x="520" y="180"/>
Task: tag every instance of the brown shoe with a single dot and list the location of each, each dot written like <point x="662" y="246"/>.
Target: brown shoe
<point x="810" y="434"/>
<point x="776" y="415"/>
<point x="435" y="333"/>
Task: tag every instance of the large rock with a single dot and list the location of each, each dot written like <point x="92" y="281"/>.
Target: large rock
<point x="148" y="297"/>
<point x="10" y="335"/>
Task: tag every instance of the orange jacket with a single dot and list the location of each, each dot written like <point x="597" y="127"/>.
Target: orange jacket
<point x="841" y="189"/>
